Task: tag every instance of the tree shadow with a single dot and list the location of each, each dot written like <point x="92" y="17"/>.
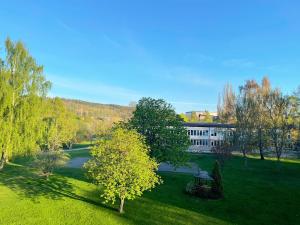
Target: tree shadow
<point x="27" y="183"/>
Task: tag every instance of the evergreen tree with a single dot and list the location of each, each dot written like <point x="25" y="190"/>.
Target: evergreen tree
<point x="217" y="183"/>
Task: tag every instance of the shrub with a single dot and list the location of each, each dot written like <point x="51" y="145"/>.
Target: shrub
<point x="191" y="188"/>
<point x="217" y="185"/>
<point x="47" y="161"/>
<point x="222" y="152"/>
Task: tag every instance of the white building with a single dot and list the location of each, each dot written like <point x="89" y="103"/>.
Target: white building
<point x="204" y="136"/>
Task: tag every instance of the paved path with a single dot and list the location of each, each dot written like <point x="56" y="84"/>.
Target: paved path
<point x="191" y="168"/>
<point x="76" y="149"/>
<point x="77" y="162"/>
<point x="163" y="167"/>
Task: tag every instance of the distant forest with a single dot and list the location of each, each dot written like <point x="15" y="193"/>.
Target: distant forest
<point x="95" y="118"/>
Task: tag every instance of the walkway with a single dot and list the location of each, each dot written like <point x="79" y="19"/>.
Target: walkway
<point x="192" y="168"/>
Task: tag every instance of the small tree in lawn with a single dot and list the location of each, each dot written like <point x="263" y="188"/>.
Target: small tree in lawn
<point x="47" y="161"/>
<point x="217" y="184"/>
<point x="122" y="166"/>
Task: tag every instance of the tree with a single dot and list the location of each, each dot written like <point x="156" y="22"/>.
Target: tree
<point x="295" y="104"/>
<point x="245" y="124"/>
<point x="22" y="91"/>
<point x="122" y="166"/>
<point x="279" y="114"/>
<point x="223" y="151"/>
<point x="207" y="117"/>
<point x="184" y="117"/>
<point x="47" y="161"/>
<point x="194" y="117"/>
<point x="226" y="105"/>
<point x="59" y="125"/>
<point x="217" y="183"/>
<point x="163" y="129"/>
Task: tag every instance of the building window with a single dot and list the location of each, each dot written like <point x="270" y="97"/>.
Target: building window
<point x="189" y="132"/>
<point x="197" y="132"/>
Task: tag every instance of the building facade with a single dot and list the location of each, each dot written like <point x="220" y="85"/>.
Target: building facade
<point x="205" y="136"/>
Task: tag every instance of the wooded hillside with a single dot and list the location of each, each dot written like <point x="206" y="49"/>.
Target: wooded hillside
<point x="95" y="118"/>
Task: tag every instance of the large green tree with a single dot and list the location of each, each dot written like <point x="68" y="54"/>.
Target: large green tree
<point x="122" y="166"/>
<point x="22" y="90"/>
<point x="59" y="125"/>
<point x="163" y="128"/>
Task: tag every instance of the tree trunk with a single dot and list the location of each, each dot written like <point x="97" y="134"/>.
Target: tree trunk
<point x="245" y="158"/>
<point x="2" y="160"/>
<point x="261" y="152"/>
<point x="121" y="205"/>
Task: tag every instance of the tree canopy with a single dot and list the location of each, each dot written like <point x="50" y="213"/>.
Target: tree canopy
<point x="22" y="90"/>
<point x="163" y="129"/>
<point x="122" y="166"/>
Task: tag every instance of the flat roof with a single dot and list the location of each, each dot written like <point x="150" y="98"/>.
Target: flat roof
<point x="218" y="125"/>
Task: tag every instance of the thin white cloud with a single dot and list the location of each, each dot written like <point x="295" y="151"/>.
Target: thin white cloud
<point x="65" y="26"/>
<point x="111" y="41"/>
<point x="198" y="57"/>
<point x="94" y="88"/>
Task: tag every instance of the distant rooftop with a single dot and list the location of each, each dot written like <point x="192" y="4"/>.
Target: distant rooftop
<point x="200" y="124"/>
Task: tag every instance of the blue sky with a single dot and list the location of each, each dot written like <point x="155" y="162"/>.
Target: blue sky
<point x="181" y="50"/>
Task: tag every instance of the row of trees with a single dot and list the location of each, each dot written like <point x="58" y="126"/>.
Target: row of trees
<point x="29" y="121"/>
<point x="265" y="119"/>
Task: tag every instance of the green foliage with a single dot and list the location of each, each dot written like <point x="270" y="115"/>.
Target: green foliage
<point x="194" y="117"/>
<point x="59" y="125"/>
<point x="184" y="117"/>
<point x="217" y="183"/>
<point x="207" y="117"/>
<point x="94" y="119"/>
<point x="264" y="117"/>
<point x="163" y="129"/>
<point x="121" y="165"/>
<point x="67" y="198"/>
<point x="22" y="89"/>
<point x="47" y="161"/>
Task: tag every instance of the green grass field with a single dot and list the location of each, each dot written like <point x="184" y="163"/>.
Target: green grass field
<point x="265" y="193"/>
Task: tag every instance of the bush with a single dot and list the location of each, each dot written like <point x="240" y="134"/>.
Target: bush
<point x="191" y="188"/>
<point x="222" y="152"/>
<point x="217" y="185"/>
<point x="47" y="161"/>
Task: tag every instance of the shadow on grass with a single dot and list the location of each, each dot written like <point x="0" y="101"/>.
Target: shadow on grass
<point x="28" y="184"/>
<point x="257" y="190"/>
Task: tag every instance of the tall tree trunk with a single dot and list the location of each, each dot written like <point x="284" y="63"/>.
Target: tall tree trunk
<point x="261" y="152"/>
<point x="2" y="160"/>
<point x="121" y="205"/>
<point x="245" y="157"/>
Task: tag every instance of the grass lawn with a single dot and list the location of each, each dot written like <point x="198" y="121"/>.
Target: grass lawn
<point x="265" y="193"/>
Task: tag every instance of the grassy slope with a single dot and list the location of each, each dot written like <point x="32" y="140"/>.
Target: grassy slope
<point x="265" y="193"/>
